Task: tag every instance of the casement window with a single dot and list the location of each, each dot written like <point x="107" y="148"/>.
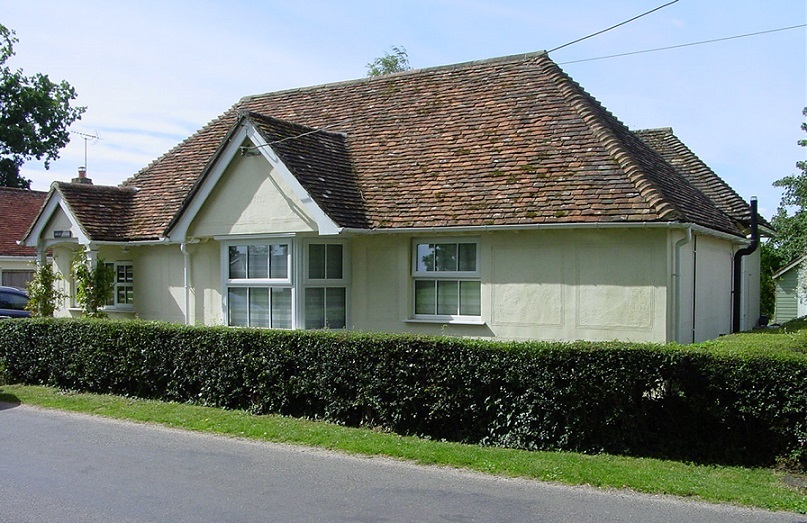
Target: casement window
<point x="123" y="288"/>
<point x="283" y="283"/>
<point x="258" y="284"/>
<point x="447" y="282"/>
<point x="325" y="286"/>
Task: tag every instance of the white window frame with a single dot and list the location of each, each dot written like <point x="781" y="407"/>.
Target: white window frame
<point x="459" y="276"/>
<point x="115" y="305"/>
<point x="261" y="283"/>
<point x="316" y="283"/>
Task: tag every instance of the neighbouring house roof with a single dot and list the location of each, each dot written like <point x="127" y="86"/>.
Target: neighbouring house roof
<point x="506" y="141"/>
<point x="790" y="266"/>
<point x="18" y="209"/>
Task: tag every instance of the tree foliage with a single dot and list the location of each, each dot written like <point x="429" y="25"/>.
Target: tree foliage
<point x="42" y="292"/>
<point x="790" y="220"/>
<point x="34" y="116"/>
<point x="396" y="62"/>
<point x="94" y="284"/>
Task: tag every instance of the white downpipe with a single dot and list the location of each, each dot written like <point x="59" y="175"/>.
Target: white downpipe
<point x="676" y="310"/>
<point x="186" y="280"/>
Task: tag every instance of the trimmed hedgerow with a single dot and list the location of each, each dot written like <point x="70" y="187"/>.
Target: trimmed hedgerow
<point x="710" y="403"/>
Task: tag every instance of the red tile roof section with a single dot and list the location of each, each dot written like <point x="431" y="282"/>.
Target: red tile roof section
<point x="690" y="166"/>
<point x="18" y="208"/>
<point x="105" y="213"/>
<point x="508" y="141"/>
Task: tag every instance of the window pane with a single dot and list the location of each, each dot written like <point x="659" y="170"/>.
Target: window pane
<point x="316" y="261"/>
<point x="448" y="297"/>
<point x="238" y="261"/>
<point x="425" y="297"/>
<point x="281" y="308"/>
<point x="425" y="257"/>
<point x="258" y="261"/>
<point x="471" y="298"/>
<point x="315" y="308"/>
<point x="125" y="295"/>
<point x="467" y="261"/>
<point x="237" y="306"/>
<point x="334" y="262"/>
<point x="259" y="307"/>
<point x="445" y="257"/>
<point x="335" y="307"/>
<point x="279" y="264"/>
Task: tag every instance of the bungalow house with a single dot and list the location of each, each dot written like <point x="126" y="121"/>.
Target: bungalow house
<point x="787" y="280"/>
<point x="18" y="208"/>
<point x="494" y="198"/>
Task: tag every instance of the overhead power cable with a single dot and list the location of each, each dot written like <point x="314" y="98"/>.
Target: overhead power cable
<point x="612" y="27"/>
<point x="684" y="45"/>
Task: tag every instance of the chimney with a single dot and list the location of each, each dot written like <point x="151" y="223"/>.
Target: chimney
<point x="82" y="176"/>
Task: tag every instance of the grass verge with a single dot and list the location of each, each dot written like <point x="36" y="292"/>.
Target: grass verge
<point x="762" y="488"/>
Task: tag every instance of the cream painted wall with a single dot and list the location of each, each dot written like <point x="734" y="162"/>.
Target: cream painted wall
<point x="751" y="268"/>
<point x="250" y="199"/>
<point x="159" y="283"/>
<point x="58" y="222"/>
<point x="713" y="260"/>
<point x="555" y="285"/>
<point x="206" y="303"/>
<point x="62" y="259"/>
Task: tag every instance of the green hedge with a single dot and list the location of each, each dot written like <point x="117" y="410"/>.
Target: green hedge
<point x="701" y="403"/>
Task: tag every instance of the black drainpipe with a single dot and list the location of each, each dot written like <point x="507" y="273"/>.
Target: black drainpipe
<point x="738" y="280"/>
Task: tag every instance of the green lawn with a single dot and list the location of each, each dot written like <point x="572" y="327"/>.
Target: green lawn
<point x="763" y="488"/>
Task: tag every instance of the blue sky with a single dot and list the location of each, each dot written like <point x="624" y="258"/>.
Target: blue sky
<point x="153" y="72"/>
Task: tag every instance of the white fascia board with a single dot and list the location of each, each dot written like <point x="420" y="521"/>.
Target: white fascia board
<point x="178" y="233"/>
<point x="475" y="229"/>
<point x="325" y="224"/>
<point x="55" y="201"/>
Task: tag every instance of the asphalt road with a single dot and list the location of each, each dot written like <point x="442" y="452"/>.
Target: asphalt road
<point x="60" y="467"/>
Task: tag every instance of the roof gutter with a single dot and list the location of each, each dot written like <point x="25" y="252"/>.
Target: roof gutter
<point x="738" y="259"/>
<point x="698" y="229"/>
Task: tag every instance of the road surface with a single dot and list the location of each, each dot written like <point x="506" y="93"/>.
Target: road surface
<point x="63" y="467"/>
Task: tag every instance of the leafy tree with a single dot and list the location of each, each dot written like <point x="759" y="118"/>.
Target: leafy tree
<point x="791" y="240"/>
<point x="396" y="62"/>
<point x="34" y="116"/>
<point x="93" y="284"/>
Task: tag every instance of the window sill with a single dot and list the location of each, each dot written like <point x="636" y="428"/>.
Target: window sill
<point x="447" y="321"/>
<point x="105" y="309"/>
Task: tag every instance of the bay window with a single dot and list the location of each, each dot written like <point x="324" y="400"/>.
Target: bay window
<point x="285" y="283"/>
<point x="325" y="289"/>
<point x="258" y="282"/>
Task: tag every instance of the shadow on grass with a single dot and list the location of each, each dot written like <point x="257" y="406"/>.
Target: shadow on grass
<point x="8" y="401"/>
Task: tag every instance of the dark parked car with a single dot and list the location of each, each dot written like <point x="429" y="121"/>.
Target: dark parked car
<point x="12" y="303"/>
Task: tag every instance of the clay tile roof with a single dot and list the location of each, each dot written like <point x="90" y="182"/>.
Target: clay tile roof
<point x="687" y="163"/>
<point x="319" y="159"/>
<point x="103" y="212"/>
<point x="507" y="141"/>
<point x="18" y="208"/>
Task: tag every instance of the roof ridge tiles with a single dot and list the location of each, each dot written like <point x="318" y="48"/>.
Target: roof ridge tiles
<point x="518" y="57"/>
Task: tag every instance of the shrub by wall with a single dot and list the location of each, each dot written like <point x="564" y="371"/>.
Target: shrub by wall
<point x="702" y="403"/>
